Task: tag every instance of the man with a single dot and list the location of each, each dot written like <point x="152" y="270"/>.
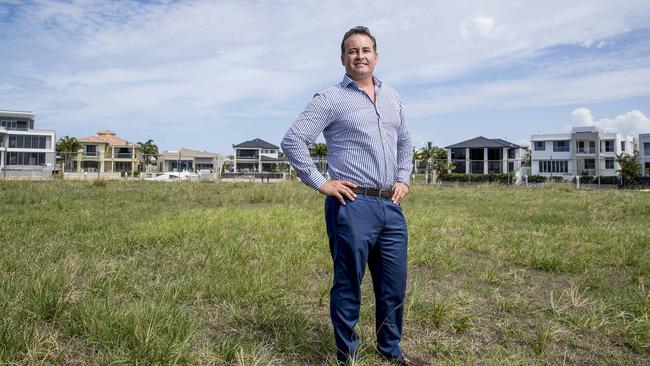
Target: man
<point x="369" y="157"/>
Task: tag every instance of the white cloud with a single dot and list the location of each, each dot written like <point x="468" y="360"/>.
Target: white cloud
<point x="583" y="116"/>
<point x="538" y="91"/>
<point x="630" y="123"/>
<point x="97" y="62"/>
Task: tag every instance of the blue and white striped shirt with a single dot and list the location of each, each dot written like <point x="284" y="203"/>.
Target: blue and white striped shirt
<point x="368" y="143"/>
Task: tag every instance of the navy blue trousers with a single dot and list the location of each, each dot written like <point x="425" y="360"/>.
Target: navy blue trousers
<point x="372" y="231"/>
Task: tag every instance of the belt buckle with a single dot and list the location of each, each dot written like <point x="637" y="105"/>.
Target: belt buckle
<point x="382" y="191"/>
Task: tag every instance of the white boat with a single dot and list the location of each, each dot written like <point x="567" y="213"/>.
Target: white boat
<point x="175" y="177"/>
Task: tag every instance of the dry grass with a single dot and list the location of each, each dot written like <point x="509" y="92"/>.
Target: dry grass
<point x="239" y="274"/>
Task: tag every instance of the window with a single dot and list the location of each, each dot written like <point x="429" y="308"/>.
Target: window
<point x="511" y="153"/>
<point x="561" y="146"/>
<point x="590" y="164"/>
<point x="27" y="142"/>
<point x="25" y="158"/>
<point x="553" y="166"/>
<point x="646" y="149"/>
<point x="623" y="146"/>
<point x="91" y="150"/>
<point x="583" y="149"/>
<point x="539" y="145"/>
<point x="10" y="125"/>
<point x="609" y="163"/>
<point x="609" y="145"/>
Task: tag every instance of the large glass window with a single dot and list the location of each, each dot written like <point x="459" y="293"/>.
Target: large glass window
<point x="561" y="146"/>
<point x="590" y="164"/>
<point x="553" y="166"/>
<point x="27" y="141"/>
<point x="609" y="163"/>
<point x="10" y="125"/>
<point x="539" y="145"/>
<point x="623" y="146"/>
<point x="646" y="149"/>
<point x="25" y="158"/>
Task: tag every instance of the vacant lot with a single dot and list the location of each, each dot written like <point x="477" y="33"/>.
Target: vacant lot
<point x="239" y="274"/>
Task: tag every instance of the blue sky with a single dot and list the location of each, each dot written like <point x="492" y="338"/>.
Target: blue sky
<point x="209" y="74"/>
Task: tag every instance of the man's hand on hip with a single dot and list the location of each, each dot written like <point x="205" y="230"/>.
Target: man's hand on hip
<point x="400" y="190"/>
<point x="340" y="189"/>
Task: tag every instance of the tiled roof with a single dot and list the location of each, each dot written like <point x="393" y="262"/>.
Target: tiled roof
<point x="257" y="144"/>
<point x="107" y="137"/>
<point x="482" y="142"/>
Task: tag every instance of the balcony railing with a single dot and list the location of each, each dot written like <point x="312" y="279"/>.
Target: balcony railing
<point x="123" y="155"/>
<point x="585" y="150"/>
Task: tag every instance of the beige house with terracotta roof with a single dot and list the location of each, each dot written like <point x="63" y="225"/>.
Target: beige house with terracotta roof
<point x="106" y="153"/>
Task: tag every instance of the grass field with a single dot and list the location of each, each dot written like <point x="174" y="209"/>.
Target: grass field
<point x="146" y="273"/>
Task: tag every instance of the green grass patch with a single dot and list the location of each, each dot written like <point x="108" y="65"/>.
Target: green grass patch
<point x="223" y="274"/>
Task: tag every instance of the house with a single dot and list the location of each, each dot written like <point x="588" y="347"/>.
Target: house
<point x="25" y="152"/>
<point x="106" y="153"/>
<point x="644" y="153"/>
<point x="257" y="156"/>
<point x="189" y="160"/>
<point x="481" y="155"/>
<point x="584" y="151"/>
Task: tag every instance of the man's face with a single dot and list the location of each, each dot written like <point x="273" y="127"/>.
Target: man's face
<point x="360" y="57"/>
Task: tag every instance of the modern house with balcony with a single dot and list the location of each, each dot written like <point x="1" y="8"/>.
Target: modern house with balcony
<point x="585" y="151"/>
<point x="189" y="160"/>
<point x="257" y="156"/>
<point x="25" y="152"/>
<point x="644" y="154"/>
<point x="481" y="155"/>
<point x="106" y="153"/>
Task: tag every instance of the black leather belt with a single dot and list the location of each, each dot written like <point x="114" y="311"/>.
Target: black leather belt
<point x="375" y="192"/>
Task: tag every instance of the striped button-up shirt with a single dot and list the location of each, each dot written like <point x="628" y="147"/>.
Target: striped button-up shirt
<point x="368" y="142"/>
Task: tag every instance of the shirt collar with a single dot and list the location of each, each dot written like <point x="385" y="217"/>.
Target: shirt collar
<point x="348" y="80"/>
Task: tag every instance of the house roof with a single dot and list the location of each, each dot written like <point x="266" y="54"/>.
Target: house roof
<point x="17" y="114"/>
<point x="188" y="153"/>
<point x="107" y="137"/>
<point x="257" y="144"/>
<point x="482" y="142"/>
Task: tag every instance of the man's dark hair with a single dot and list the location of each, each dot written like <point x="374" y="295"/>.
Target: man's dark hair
<point x="358" y="30"/>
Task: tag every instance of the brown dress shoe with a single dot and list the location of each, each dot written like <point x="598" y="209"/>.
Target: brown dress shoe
<point x="406" y="360"/>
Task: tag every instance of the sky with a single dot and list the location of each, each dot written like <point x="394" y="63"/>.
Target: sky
<point x="209" y="74"/>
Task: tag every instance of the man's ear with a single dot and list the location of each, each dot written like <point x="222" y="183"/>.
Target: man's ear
<point x="342" y="59"/>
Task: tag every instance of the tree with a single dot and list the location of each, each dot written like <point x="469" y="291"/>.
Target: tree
<point x="148" y="153"/>
<point x="629" y="167"/>
<point x="319" y="150"/>
<point x="435" y="158"/>
<point x="67" y="146"/>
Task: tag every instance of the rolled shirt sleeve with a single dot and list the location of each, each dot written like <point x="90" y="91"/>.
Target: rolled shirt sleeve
<point x="303" y="132"/>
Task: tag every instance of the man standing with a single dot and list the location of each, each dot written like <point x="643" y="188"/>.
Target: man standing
<point x="369" y="157"/>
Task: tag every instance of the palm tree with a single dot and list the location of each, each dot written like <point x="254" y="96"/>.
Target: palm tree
<point x="319" y="150"/>
<point x="435" y="157"/>
<point x="148" y="153"/>
<point x="67" y="146"/>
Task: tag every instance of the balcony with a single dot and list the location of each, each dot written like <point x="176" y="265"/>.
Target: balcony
<point x="123" y="155"/>
<point x="585" y="150"/>
<point x="250" y="157"/>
